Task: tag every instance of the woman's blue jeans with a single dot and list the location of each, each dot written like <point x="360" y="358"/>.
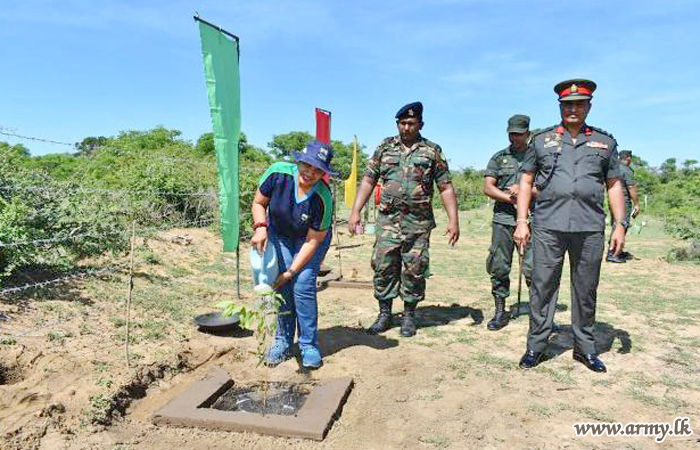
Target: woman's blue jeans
<point x="300" y="307"/>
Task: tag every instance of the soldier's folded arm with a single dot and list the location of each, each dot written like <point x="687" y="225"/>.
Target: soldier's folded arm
<point x="492" y="191"/>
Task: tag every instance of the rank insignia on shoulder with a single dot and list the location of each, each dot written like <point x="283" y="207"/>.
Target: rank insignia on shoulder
<point x="552" y="143"/>
<point x="596" y="144"/>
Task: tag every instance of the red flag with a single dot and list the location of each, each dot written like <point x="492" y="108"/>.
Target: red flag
<point x="323" y="125"/>
<point x="323" y="132"/>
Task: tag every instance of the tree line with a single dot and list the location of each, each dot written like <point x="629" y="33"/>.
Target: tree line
<point x="83" y="203"/>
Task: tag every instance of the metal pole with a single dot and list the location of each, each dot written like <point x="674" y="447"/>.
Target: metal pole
<point x="520" y="280"/>
<point x="335" y="229"/>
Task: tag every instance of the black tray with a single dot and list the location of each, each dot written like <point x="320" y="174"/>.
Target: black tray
<point x="214" y="321"/>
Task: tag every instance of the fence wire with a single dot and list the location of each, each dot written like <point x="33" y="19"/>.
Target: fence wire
<point x="48" y="141"/>
<point x="81" y="190"/>
<point x="76" y="276"/>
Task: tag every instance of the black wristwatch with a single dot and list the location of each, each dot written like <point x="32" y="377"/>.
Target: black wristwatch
<point x="622" y="222"/>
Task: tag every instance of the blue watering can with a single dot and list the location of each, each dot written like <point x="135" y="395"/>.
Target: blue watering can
<point x="265" y="267"/>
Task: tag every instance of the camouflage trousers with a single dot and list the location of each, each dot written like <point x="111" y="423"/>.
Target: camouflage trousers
<point x="400" y="262"/>
<point x="500" y="259"/>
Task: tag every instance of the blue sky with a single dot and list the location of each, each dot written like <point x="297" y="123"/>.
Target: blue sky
<point x="76" y="68"/>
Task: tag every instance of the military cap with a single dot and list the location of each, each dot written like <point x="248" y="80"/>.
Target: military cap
<point x="576" y="89"/>
<point x="414" y="109"/>
<point x="625" y="153"/>
<point x="519" y="123"/>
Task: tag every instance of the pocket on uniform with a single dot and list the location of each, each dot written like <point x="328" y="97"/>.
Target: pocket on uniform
<point x="422" y="161"/>
<point x="547" y="162"/>
<point x="392" y="160"/>
<point x="489" y="260"/>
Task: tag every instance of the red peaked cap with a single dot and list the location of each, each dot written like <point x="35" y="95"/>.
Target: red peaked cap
<point x="576" y="89"/>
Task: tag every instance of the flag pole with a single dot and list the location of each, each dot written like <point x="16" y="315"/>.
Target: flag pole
<point x="231" y="35"/>
<point x="223" y="161"/>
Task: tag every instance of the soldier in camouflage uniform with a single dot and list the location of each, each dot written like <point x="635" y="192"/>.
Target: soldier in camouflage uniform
<point x="571" y="164"/>
<point x="501" y="180"/>
<point x="631" y="197"/>
<point x="407" y="165"/>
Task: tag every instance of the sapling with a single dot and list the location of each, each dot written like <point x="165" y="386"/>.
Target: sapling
<point x="261" y="318"/>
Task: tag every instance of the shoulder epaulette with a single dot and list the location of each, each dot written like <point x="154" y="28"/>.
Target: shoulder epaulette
<point x="389" y="140"/>
<point x="601" y="131"/>
<point x="431" y="144"/>
<point x="539" y="131"/>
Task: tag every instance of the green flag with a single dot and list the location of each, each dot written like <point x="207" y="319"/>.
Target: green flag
<point x="220" y="54"/>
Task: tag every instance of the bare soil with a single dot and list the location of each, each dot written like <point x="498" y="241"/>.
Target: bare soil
<point x="65" y="383"/>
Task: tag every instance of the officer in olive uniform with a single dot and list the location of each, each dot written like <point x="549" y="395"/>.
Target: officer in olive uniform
<point x="501" y="180"/>
<point x="408" y="165"/>
<point x="631" y="197"/>
<point x="571" y="164"/>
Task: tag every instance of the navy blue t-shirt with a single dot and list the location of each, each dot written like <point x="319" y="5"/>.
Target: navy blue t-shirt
<point x="288" y="214"/>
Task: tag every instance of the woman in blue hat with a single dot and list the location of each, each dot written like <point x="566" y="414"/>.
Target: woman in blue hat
<point x="292" y="211"/>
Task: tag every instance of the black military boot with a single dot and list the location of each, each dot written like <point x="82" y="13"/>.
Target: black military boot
<point x="501" y="318"/>
<point x="408" y="324"/>
<point x="383" y="321"/>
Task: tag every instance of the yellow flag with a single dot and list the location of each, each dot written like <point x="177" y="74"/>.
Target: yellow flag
<point x="351" y="182"/>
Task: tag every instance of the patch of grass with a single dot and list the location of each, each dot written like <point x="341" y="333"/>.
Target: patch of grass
<point x="105" y="382"/>
<point x="683" y="359"/>
<point x="674" y="383"/>
<point x="144" y="253"/>
<point x="154" y="330"/>
<point x="102" y="366"/>
<point x="52" y="306"/>
<point x="85" y="329"/>
<point x="433" y="332"/>
<point x="604" y="382"/>
<point x="436" y="440"/>
<point x="432" y="397"/>
<point x="221" y="267"/>
<point x="593" y="414"/>
<point x="489" y="360"/>
<point x="642" y="397"/>
<point x="178" y="272"/>
<point x="58" y="336"/>
<point x="120" y="336"/>
<point x="99" y="405"/>
<point x="460" y="369"/>
<point x="118" y="322"/>
<point x="464" y="337"/>
<point x="560" y="376"/>
<point x="541" y="411"/>
<point x="8" y="341"/>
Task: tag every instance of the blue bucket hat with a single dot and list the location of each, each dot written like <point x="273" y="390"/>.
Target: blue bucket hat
<point x="319" y="155"/>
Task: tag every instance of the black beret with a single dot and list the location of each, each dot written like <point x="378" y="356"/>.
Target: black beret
<point x="414" y="109"/>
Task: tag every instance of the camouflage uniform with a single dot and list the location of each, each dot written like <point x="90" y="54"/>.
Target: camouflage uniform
<point x="405" y="216"/>
<point x="504" y="166"/>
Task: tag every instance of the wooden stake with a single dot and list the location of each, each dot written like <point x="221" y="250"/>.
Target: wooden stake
<point x="131" y="294"/>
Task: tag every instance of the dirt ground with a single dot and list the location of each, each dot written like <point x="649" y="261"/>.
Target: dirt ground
<point x="65" y="383"/>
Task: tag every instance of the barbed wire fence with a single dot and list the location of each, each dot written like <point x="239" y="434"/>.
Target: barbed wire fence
<point x="203" y="203"/>
<point x="161" y="210"/>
